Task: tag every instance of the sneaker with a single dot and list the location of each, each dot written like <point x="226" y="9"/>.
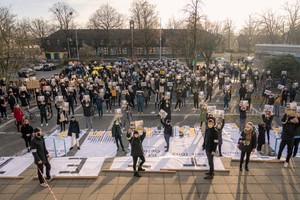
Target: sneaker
<point x="209" y="177"/>
<point x="178" y="109"/>
<point x="71" y="148"/>
<point x="110" y="111"/>
<point x="42" y="124"/>
<point x="78" y="148"/>
<point x="107" y="111"/>
<point x="141" y="169"/>
<point x="136" y="174"/>
<point x="47" y="124"/>
<point x="44" y="185"/>
<point x="50" y="179"/>
<point x="286" y="164"/>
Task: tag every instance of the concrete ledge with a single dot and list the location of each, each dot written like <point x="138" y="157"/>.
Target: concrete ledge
<point x="196" y="170"/>
<point x="11" y="177"/>
<point x="69" y="177"/>
<point x="259" y="161"/>
<point x="122" y="171"/>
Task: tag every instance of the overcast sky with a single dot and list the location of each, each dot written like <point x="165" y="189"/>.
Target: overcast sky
<point x="216" y="10"/>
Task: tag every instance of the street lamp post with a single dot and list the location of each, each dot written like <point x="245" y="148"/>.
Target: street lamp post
<point x="69" y="52"/>
<point x="131" y="23"/>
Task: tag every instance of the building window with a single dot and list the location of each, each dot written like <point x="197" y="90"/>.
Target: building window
<point x="105" y="50"/>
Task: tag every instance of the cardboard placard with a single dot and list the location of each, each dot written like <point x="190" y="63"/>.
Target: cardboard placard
<point x="143" y="84"/>
<point x="47" y="88"/>
<point x="161" y="89"/>
<point x="118" y="112"/>
<point x="163" y="114"/>
<point x="268" y="92"/>
<point x="124" y="92"/>
<point x="86" y="98"/>
<point x="65" y="106"/>
<point x="295" y="85"/>
<point x="170" y="84"/>
<point x="33" y="84"/>
<point x="41" y="98"/>
<point x="244" y="103"/>
<point x="218" y="113"/>
<point x="201" y="95"/>
<point x="283" y="72"/>
<point x="211" y="109"/>
<point x="137" y="125"/>
<point x="269" y="108"/>
<point x="280" y="87"/>
<point x="59" y="99"/>
<point x="22" y="88"/>
<point x="292" y="105"/>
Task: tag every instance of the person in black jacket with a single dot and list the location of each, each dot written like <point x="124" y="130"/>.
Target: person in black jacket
<point x="296" y="140"/>
<point x="117" y="133"/>
<point x="247" y="143"/>
<point x="136" y="141"/>
<point x="73" y="132"/>
<point x="210" y="145"/>
<point x="70" y="99"/>
<point x="87" y="105"/>
<point x="287" y="137"/>
<point x="219" y="127"/>
<point x="168" y="132"/>
<point x="12" y="100"/>
<point x="27" y="131"/>
<point x="41" y="155"/>
<point x="267" y="119"/>
<point x="261" y="139"/>
<point x="42" y="106"/>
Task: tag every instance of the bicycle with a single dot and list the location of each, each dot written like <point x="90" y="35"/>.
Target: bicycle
<point x="29" y="115"/>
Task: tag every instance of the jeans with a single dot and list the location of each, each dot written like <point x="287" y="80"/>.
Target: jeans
<point x="100" y="111"/>
<point x="210" y="159"/>
<point x="289" y="144"/>
<point x="135" y="159"/>
<point x="167" y="139"/>
<point x="140" y="106"/>
<point x="88" y="122"/>
<point x="276" y="107"/>
<point x="119" y="138"/>
<point x="41" y="171"/>
<point x="43" y="116"/>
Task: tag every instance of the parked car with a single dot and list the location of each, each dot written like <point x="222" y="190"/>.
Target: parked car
<point x="122" y="59"/>
<point x="221" y="60"/>
<point x="48" y="67"/>
<point x="38" y="67"/>
<point x="26" y="72"/>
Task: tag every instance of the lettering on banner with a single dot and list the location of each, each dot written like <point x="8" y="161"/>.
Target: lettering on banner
<point x="152" y="152"/>
<point x="194" y="163"/>
<point x="79" y="166"/>
<point x="5" y="163"/>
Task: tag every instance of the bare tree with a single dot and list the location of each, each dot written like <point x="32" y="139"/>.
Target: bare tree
<point x="106" y="17"/>
<point x="64" y="15"/>
<point x="146" y="20"/>
<point x="210" y="40"/>
<point x="272" y="26"/>
<point x="7" y="31"/>
<point x="40" y="28"/>
<point x="249" y="33"/>
<point x="229" y="32"/>
<point x="292" y="18"/>
<point x="193" y="10"/>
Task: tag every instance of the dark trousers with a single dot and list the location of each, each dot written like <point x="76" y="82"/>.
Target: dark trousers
<point x="135" y="159"/>
<point x="259" y="145"/>
<point x="119" y="138"/>
<point x="100" y="111"/>
<point x="3" y="114"/>
<point x="196" y="103"/>
<point x="289" y="144"/>
<point x="41" y="171"/>
<point x="19" y="124"/>
<point x="242" y="158"/>
<point x="27" y="141"/>
<point x="71" y="108"/>
<point x="220" y="149"/>
<point x="167" y="139"/>
<point x="178" y="103"/>
<point x="62" y="126"/>
<point x="108" y="105"/>
<point x="208" y="96"/>
<point x="44" y="116"/>
<point x="296" y="144"/>
<point x="210" y="159"/>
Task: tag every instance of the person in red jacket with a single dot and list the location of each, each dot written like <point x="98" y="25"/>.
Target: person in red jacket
<point x="18" y="115"/>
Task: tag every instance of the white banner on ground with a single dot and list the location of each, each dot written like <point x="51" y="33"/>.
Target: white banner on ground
<point x="61" y="142"/>
<point x="76" y="166"/>
<point x="167" y="163"/>
<point x="14" y="166"/>
<point x="98" y="144"/>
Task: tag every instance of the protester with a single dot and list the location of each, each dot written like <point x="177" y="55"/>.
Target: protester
<point x="247" y="144"/>
<point x="210" y="145"/>
<point x="168" y="132"/>
<point x="27" y="131"/>
<point x="219" y="127"/>
<point x="267" y="119"/>
<point x="42" y="106"/>
<point x="87" y="105"/>
<point x="136" y="141"/>
<point x="41" y="155"/>
<point x="73" y="132"/>
<point x="62" y="118"/>
<point x="203" y="115"/>
<point x="287" y="137"/>
<point x="117" y="133"/>
<point x="261" y="139"/>
<point x="3" y="108"/>
<point x="297" y="140"/>
<point x="18" y="115"/>
<point x="243" y="117"/>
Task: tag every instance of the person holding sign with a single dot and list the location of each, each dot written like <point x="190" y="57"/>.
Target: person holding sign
<point x="168" y="131"/>
<point x="267" y="119"/>
<point x="117" y="133"/>
<point x="247" y="143"/>
<point x="74" y="131"/>
<point x="41" y="155"/>
<point x="210" y="145"/>
<point x="287" y="137"/>
<point x="136" y="141"/>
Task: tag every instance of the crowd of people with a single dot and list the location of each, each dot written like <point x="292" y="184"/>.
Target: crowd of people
<point x="130" y="86"/>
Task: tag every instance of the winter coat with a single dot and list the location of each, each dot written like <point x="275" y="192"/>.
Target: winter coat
<point x="268" y="121"/>
<point x="203" y="115"/>
<point x="168" y="130"/>
<point x="74" y="128"/>
<point x="116" y="130"/>
<point x="136" y="144"/>
<point x="288" y="128"/>
<point x="2" y="105"/>
<point x="210" y="140"/>
<point x="38" y="149"/>
<point x="261" y="139"/>
<point x="220" y="139"/>
<point x="26" y="130"/>
<point x="87" y="109"/>
<point x="42" y="108"/>
<point x="99" y="101"/>
<point x="247" y="147"/>
<point x="18" y="114"/>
